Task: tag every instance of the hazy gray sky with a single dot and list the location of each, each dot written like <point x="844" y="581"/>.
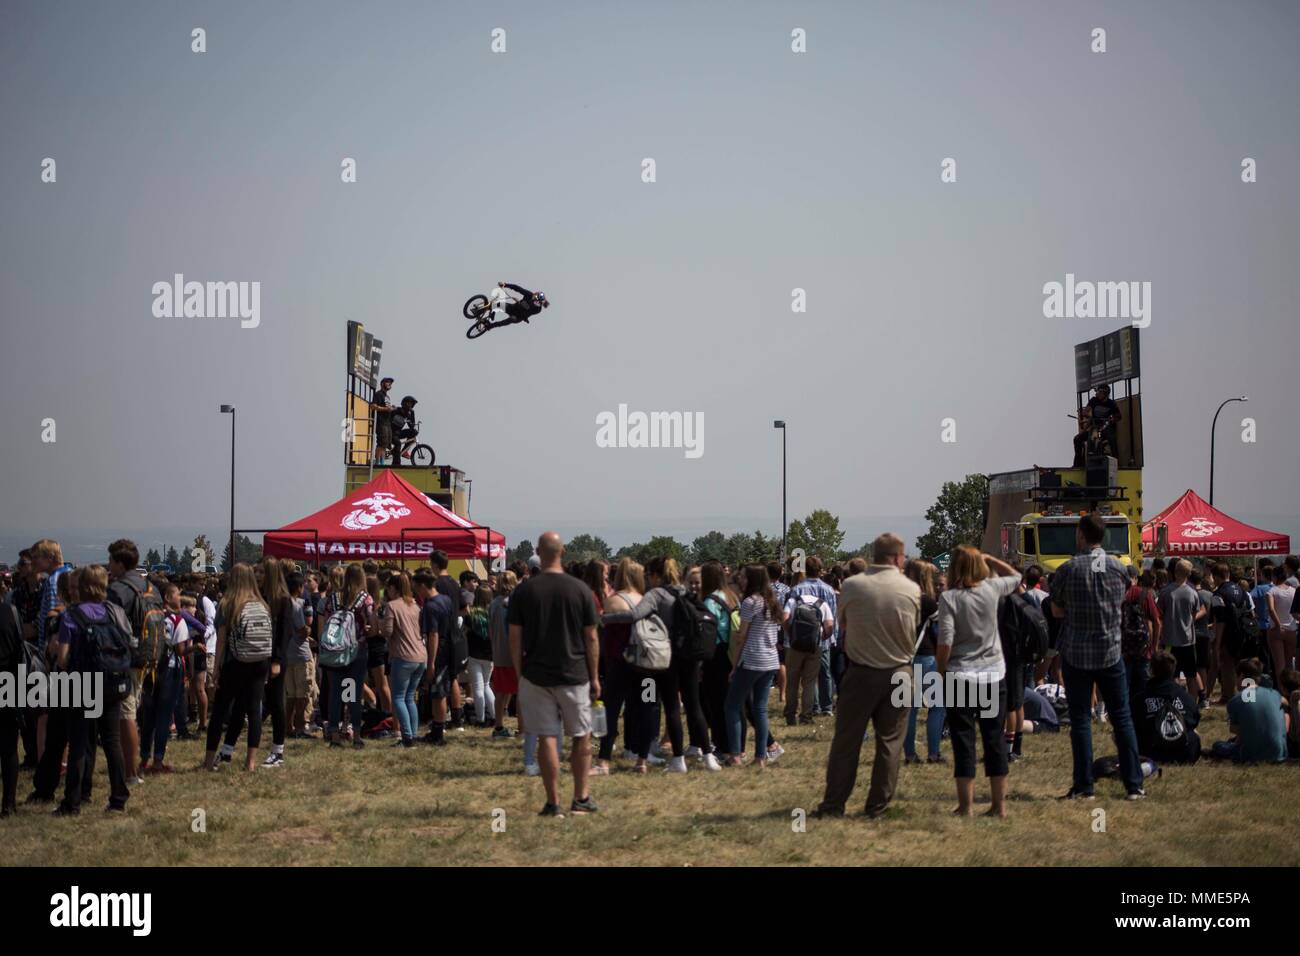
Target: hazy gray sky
<point x="775" y="170"/>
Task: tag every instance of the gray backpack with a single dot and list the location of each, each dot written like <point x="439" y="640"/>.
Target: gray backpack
<point x="649" y="649"/>
<point x="251" y="636"/>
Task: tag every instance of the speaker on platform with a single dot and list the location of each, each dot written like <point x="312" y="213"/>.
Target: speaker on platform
<point x="1101" y="471"/>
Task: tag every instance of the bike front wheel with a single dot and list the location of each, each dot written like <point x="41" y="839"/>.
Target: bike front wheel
<point x="477" y="329"/>
<point x="422" y="456"/>
<point x="474" y="306"/>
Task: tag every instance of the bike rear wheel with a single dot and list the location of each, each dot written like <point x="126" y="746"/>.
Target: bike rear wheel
<point x="474" y="306"/>
<point x="477" y="329"/>
<point x="422" y="456"/>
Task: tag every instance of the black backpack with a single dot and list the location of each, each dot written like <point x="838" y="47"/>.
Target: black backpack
<point x="103" y="647"/>
<point x="806" y="625"/>
<point x="1134" y="636"/>
<point x="694" y="634"/>
<point x="1242" y="637"/>
<point x="1023" y="630"/>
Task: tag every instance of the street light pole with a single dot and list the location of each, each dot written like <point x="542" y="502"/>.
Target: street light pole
<point x="1213" y="425"/>
<point x="230" y="410"/>
<point x="781" y="425"/>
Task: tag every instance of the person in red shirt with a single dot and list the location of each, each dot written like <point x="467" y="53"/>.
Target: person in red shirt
<point x="1137" y="654"/>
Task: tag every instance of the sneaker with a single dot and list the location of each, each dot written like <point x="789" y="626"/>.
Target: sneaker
<point x="711" y="762"/>
<point x="551" y="810"/>
<point x="776" y="751"/>
<point x="535" y="770"/>
<point x="791" y="722"/>
<point x="502" y="733"/>
<point x="63" y="810"/>
<point x="162" y="768"/>
<point x="628" y="755"/>
<point x="911" y="760"/>
<point x="134" y="781"/>
<point x="822" y="813"/>
<point x="655" y="761"/>
<point x="694" y="752"/>
<point x="111" y="808"/>
<point x="586" y="805"/>
<point x="1137" y="795"/>
<point x="226" y="758"/>
<point x="937" y="758"/>
<point x="676" y="765"/>
<point x="1073" y="794"/>
<point x="1014" y="757"/>
<point x="807" y="719"/>
<point x="273" y="760"/>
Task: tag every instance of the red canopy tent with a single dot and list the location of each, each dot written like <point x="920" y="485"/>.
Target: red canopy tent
<point x="1198" y="528"/>
<point x="387" y="517"/>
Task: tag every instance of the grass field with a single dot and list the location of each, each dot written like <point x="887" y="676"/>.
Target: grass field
<point x="434" y="807"/>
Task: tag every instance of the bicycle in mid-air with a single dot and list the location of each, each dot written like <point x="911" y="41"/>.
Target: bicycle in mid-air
<point x="480" y="309"/>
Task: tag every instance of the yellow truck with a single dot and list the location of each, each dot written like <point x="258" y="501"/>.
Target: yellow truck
<point x="1033" y="513"/>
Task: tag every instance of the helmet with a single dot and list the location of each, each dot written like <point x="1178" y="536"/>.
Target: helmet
<point x="541" y="298"/>
<point x="410" y="399"/>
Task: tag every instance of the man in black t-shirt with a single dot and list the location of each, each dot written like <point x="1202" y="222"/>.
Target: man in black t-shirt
<point x="383" y="409"/>
<point x="1105" y="415"/>
<point x="552" y="619"/>
<point x="1227" y="629"/>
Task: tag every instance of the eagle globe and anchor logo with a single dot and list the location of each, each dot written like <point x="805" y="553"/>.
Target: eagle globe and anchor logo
<point x="1200" y="528"/>
<point x="378" y="509"/>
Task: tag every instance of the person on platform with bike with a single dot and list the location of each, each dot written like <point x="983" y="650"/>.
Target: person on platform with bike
<point x="1105" y="416"/>
<point x="403" y="426"/>
<point x="529" y="304"/>
<point x="383" y="415"/>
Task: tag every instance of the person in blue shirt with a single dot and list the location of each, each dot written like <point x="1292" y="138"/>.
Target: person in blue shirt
<point x="1258" y="719"/>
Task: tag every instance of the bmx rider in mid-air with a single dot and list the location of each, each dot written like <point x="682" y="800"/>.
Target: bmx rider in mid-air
<point x="529" y="304"/>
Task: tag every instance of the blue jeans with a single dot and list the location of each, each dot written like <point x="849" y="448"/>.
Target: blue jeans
<point x="1137" y="673"/>
<point x="933" y="718"/>
<point x="404" y="682"/>
<point x="338" y="677"/>
<point x="753" y="686"/>
<point x="1112" y="682"/>
<point x="169" y="688"/>
<point x="825" y="687"/>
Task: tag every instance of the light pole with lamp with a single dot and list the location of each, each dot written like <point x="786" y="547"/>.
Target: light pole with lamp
<point x="230" y="410"/>
<point x="1213" y="425"/>
<point x="781" y="425"/>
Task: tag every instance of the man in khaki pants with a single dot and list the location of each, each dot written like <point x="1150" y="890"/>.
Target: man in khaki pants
<point x="879" y="614"/>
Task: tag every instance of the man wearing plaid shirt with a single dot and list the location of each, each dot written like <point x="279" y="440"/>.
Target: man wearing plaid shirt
<point x="1088" y="592"/>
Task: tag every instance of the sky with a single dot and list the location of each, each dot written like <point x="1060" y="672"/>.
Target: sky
<point x="774" y="171"/>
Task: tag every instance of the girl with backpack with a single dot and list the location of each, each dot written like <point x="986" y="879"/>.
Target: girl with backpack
<point x="721" y="601"/>
<point x="242" y="663"/>
<point x="621" y="683"/>
<point x="757" y="663"/>
<point x="480" y="657"/>
<point x="353" y="599"/>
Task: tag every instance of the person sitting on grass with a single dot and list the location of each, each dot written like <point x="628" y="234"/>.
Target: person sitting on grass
<point x="1165" y="715"/>
<point x="1289" y="681"/>
<point x="1258" y="720"/>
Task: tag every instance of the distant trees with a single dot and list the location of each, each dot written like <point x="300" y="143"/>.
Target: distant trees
<point x="957" y="516"/>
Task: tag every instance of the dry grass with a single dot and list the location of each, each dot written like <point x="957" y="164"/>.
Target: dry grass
<point x="433" y="806"/>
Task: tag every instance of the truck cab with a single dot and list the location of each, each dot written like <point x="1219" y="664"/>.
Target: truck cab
<point x="1033" y="513"/>
<point x="1048" y="538"/>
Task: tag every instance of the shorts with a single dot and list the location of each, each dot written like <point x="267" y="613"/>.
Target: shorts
<point x="209" y="666"/>
<point x="780" y="653"/>
<point x="132" y="700"/>
<point x="297" y="680"/>
<point x="440" y="681"/>
<point x="1186" y="658"/>
<point x="1015" y="687"/>
<point x="546" y="711"/>
<point x="504" y="680"/>
<point x="198" y="662"/>
<point x="1203" y="650"/>
<point x="376" y="654"/>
